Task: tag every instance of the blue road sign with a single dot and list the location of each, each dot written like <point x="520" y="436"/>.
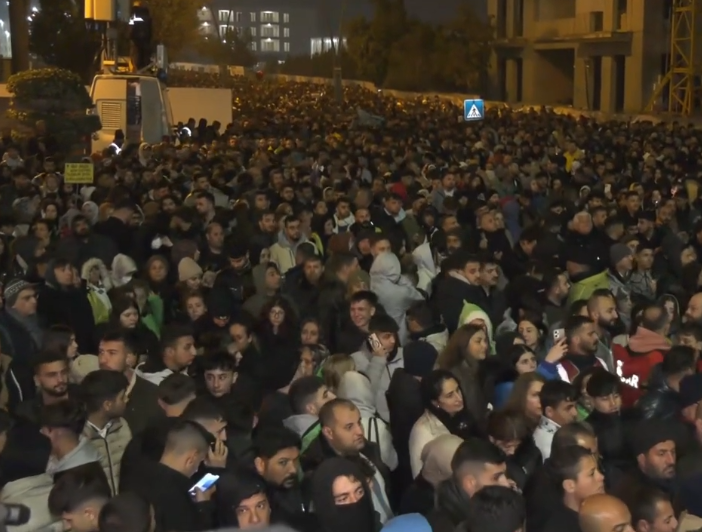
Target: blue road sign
<point x="473" y="110"/>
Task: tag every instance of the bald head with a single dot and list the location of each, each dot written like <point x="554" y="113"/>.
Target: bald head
<point x="604" y="513"/>
<point x="694" y="309"/>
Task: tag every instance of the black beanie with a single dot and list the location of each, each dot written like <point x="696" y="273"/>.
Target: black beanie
<point x="419" y="358"/>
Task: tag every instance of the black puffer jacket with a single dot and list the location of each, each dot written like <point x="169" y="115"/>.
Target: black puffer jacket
<point x="524" y="462"/>
<point x="661" y="401"/>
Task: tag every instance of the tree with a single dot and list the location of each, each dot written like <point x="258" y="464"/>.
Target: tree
<point x="62" y="38"/>
<point x="397" y="52"/>
<point x="462" y="54"/>
<point x="411" y="60"/>
<point x="233" y="48"/>
<point x="370" y="42"/>
<point x="59" y="98"/>
<point x="175" y="23"/>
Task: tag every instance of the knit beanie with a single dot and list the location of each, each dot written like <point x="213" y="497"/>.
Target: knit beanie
<point x="419" y="358"/>
<point x="187" y="269"/>
<point x="618" y="252"/>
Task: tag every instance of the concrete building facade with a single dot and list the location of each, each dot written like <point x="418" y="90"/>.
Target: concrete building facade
<point x="605" y="55"/>
<point x="278" y="27"/>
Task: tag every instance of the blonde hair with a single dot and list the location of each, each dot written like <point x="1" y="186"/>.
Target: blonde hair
<point x="334" y="367"/>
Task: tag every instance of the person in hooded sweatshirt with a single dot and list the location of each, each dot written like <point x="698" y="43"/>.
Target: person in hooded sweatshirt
<point x="177" y="353"/>
<point x="395" y="292"/>
<point x="380" y="360"/>
<point x="242" y="502"/>
<point x="63" y="424"/>
<point x="61" y="303"/>
<point x="356" y="387"/>
<point x="267" y="279"/>
<point x="342" y="498"/>
<point x="307" y="396"/>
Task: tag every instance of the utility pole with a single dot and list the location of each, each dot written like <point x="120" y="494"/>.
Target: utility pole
<point x="19" y="34"/>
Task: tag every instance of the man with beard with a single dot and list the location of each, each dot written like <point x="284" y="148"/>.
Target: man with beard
<point x="51" y="379"/>
<point x="602" y="309"/>
<point x="236" y="279"/>
<point x="303" y="287"/>
<point x="277" y="460"/>
<point x="583" y="340"/>
<point x="283" y="252"/>
<point x="83" y="244"/>
<point x="653" y="445"/>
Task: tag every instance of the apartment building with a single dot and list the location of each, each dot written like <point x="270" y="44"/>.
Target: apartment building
<point x="605" y="55"/>
<point x="278" y="27"/>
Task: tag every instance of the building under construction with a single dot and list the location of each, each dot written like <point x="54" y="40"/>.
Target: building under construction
<point x="605" y="55"/>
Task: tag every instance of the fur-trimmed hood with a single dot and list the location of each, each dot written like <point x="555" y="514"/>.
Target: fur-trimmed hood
<point x="104" y="274"/>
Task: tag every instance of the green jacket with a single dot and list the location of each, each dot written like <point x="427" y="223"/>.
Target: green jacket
<point x="153" y="319"/>
<point x="584" y="289"/>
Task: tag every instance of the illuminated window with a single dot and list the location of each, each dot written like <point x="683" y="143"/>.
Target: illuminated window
<point x="270" y="45"/>
<point x="286" y="18"/>
<point x="270" y="30"/>
<point x="252" y="30"/>
<point x="253" y="16"/>
<point x="239" y="16"/>
<point x="270" y="17"/>
<point x="320" y="46"/>
<point x="224" y="16"/>
<point x="253" y="46"/>
<point x="286" y="32"/>
<point x="286" y="46"/>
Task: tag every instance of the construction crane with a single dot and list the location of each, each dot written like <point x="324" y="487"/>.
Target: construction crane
<point x="679" y="90"/>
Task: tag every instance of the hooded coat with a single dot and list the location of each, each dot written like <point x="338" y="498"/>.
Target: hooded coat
<point x="395" y="292"/>
<point x="357" y="388"/>
<point x="379" y="370"/>
<point x="357" y="517"/>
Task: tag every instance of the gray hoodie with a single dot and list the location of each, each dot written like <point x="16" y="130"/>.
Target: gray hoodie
<point x="300" y="423"/>
<point x="84" y="453"/>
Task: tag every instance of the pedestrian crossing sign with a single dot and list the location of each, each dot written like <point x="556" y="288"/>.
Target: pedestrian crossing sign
<point x="473" y="110"/>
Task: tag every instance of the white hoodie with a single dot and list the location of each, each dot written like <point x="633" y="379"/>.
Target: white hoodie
<point x="356" y="388"/>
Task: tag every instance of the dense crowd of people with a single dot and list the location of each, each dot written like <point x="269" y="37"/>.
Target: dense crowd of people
<point x="300" y="319"/>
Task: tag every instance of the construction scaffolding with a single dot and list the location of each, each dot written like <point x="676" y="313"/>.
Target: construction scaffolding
<point x="678" y="92"/>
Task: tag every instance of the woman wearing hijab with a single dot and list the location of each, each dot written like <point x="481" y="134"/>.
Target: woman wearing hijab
<point x="436" y="467"/>
<point x="342" y="499"/>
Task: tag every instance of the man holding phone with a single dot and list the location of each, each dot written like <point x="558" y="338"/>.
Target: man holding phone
<point x="179" y="506"/>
